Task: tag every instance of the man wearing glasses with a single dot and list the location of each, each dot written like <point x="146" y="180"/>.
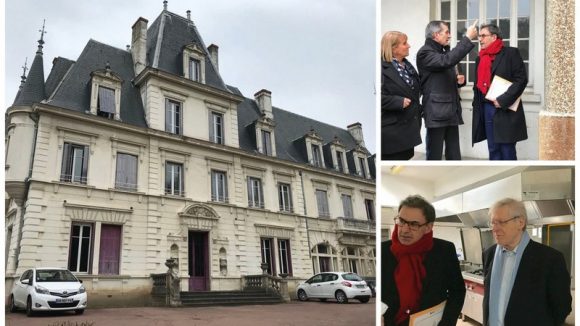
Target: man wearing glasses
<point x="526" y="283"/>
<point x="439" y="84"/>
<point x="493" y="119"/>
<point x="419" y="271"/>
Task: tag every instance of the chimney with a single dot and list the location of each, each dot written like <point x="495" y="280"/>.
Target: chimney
<point x="188" y="14"/>
<point x="139" y="45"/>
<point x="264" y="99"/>
<point x="355" y="130"/>
<point x="213" y="55"/>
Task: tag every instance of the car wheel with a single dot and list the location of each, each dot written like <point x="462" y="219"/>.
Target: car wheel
<point x="12" y="304"/>
<point x="79" y="312"/>
<point x="341" y="297"/>
<point x="29" y="311"/>
<point x="365" y="300"/>
<point x="302" y="296"/>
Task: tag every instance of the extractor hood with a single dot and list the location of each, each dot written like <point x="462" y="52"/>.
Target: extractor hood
<point x="546" y="192"/>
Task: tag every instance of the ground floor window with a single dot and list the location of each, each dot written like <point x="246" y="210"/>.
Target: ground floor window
<point x="352" y="260"/>
<point x="324" y="258"/>
<point x="276" y="254"/>
<point x="82" y="246"/>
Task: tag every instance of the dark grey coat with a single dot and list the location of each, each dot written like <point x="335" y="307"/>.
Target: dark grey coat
<point x="508" y="126"/>
<point x="436" y="64"/>
<point x="400" y="128"/>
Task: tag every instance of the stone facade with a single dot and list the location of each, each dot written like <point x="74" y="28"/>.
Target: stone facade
<point x="43" y="207"/>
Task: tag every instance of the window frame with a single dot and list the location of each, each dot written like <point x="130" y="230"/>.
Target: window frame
<point x="215" y="187"/>
<point x="266" y="142"/>
<point x="323" y="207"/>
<point x="80" y="248"/>
<point x="215" y="126"/>
<point x="128" y="187"/>
<point x="347" y="207"/>
<point x="255" y="192"/>
<point x="285" y="197"/>
<point x="69" y="163"/>
<point x="173" y="110"/>
<point x="101" y="113"/>
<point x="284" y="257"/>
<point x="173" y="191"/>
<point x="194" y="69"/>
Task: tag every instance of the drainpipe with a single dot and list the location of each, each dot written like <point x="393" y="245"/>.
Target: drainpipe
<point x="306" y="219"/>
<point x="34" y="117"/>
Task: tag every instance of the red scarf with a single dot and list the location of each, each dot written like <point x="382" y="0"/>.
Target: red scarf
<point x="410" y="272"/>
<point x="486" y="57"/>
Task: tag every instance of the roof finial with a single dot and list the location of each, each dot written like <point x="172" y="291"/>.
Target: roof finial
<point x="41" y="41"/>
<point x="23" y="77"/>
<point x="165" y="5"/>
<point x="108" y="66"/>
<point x="188" y="14"/>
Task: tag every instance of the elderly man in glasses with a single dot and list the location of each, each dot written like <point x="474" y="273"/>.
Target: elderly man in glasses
<point x="526" y="283"/>
<point x="419" y="271"/>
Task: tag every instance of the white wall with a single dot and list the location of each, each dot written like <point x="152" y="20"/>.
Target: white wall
<point x="396" y="188"/>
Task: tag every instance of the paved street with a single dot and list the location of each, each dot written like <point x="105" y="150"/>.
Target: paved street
<point x="295" y="313"/>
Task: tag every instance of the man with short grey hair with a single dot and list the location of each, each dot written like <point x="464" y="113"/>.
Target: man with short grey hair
<point x="526" y="283"/>
<point x="440" y="81"/>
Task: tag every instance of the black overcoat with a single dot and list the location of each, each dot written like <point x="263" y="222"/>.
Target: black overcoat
<point x="400" y="128"/>
<point x="436" y="64"/>
<point x="443" y="281"/>
<point x="541" y="292"/>
<point x="508" y="126"/>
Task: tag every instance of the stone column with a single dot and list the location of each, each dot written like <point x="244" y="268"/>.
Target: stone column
<point x="556" y="122"/>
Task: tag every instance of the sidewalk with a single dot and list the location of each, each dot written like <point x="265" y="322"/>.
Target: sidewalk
<point x="295" y="313"/>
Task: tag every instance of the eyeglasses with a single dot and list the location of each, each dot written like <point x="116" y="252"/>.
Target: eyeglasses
<point x="500" y="223"/>
<point x="412" y="225"/>
<point x="483" y="35"/>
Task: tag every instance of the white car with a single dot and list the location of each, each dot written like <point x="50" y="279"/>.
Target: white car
<point x="334" y="285"/>
<point x="48" y="289"/>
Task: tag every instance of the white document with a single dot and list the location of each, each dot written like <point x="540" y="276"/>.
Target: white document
<point x="428" y="317"/>
<point x="498" y="87"/>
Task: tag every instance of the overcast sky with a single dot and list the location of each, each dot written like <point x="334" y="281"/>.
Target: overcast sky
<point x="317" y="57"/>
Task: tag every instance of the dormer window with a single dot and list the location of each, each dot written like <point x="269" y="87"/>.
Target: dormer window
<point x="194" y="69"/>
<point x="314" y="149"/>
<point x="106" y="102"/>
<point x="194" y="63"/>
<point x="316" y="157"/>
<point x="106" y="94"/>
<point x="363" y="168"/>
<point x="339" y="161"/>
<point x="266" y="143"/>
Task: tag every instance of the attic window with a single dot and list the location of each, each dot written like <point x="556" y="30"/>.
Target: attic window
<point x="194" y="69"/>
<point x="106" y="102"/>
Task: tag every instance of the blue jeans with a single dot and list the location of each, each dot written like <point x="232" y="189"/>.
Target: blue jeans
<point x="497" y="151"/>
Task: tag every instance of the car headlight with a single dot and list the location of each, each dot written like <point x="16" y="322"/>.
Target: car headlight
<point x="41" y="290"/>
<point x="82" y="289"/>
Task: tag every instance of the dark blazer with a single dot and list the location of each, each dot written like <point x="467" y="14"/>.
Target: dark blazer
<point x="508" y="126"/>
<point x="541" y="292"/>
<point x="400" y="128"/>
<point x="443" y="281"/>
<point x="441" y="101"/>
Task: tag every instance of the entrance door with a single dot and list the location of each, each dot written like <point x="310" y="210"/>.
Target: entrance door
<point x="110" y="251"/>
<point x="198" y="261"/>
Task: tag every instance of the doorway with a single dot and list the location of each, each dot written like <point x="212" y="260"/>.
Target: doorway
<point x="198" y="262"/>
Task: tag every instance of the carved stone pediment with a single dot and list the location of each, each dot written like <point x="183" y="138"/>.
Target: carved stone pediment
<point x="199" y="217"/>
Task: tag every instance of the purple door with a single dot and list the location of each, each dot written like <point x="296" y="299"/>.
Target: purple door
<point x="110" y="249"/>
<point x="198" y="261"/>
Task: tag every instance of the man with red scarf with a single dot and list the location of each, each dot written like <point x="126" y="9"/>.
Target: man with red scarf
<point x="492" y="119"/>
<point x="419" y="271"/>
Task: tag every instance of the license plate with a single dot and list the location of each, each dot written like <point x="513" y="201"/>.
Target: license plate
<point x="66" y="300"/>
<point x="360" y="286"/>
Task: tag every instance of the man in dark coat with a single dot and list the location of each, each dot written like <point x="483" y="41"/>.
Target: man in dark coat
<point x="419" y="271"/>
<point x="493" y="119"/>
<point x="525" y="282"/>
<point x="439" y="84"/>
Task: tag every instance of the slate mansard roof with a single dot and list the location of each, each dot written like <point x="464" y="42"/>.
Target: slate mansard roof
<point x="69" y="86"/>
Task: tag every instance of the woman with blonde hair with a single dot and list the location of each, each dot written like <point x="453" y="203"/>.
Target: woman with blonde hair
<point x="400" y="92"/>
